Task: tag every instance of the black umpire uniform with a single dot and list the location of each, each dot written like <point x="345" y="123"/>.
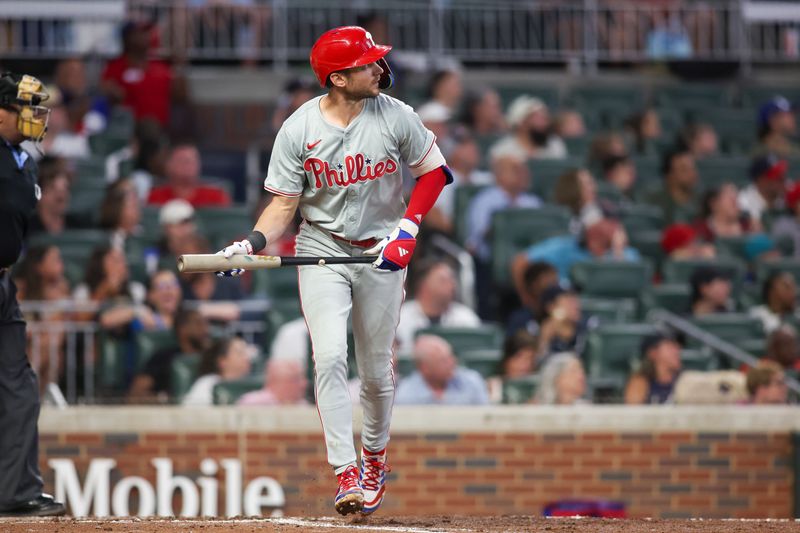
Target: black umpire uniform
<point x="20" y="479"/>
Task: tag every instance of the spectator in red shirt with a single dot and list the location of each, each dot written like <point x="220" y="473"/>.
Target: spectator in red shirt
<point x="183" y="181"/>
<point x="145" y="85"/>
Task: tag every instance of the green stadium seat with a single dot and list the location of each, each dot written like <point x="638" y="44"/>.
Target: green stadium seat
<point x="638" y="217"/>
<point x="730" y="327"/>
<point x="85" y="201"/>
<point x="612" y="279"/>
<point x="755" y="97"/>
<point x="183" y="373"/>
<point x="222" y="225"/>
<point x="716" y="171"/>
<point x="545" y="174"/>
<point x="229" y="392"/>
<point x="91" y="169"/>
<point x="617" y="97"/>
<point x="111" y="361"/>
<point x="405" y="366"/>
<point x="578" y="147"/>
<point x="680" y="271"/>
<point x="520" y="390"/>
<point x="731" y="247"/>
<point x="648" y="168"/>
<point x="609" y="192"/>
<point x="464" y="196"/>
<point x="107" y="142"/>
<point x="485" y="143"/>
<point x="612" y="350"/>
<point x="757" y="346"/>
<point x="485" y="361"/>
<point x="463" y="340"/>
<point x="516" y="229"/>
<point x="765" y="268"/>
<point x="674" y="297"/>
<point x="691" y="97"/>
<point x="648" y="243"/>
<point x="89" y="238"/>
<point x="698" y="359"/>
<point x="276" y="283"/>
<point x="149" y="342"/>
<point x="151" y="229"/>
<point x="609" y="311"/>
<point x="736" y="128"/>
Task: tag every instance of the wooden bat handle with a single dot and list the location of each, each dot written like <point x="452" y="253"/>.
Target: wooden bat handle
<point x="192" y="263"/>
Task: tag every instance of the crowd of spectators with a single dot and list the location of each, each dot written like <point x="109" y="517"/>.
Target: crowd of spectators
<point x="153" y="184"/>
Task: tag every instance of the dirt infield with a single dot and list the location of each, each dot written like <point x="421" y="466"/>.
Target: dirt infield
<point x="394" y="524"/>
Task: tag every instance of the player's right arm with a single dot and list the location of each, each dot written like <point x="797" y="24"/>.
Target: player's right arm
<point x="285" y="180"/>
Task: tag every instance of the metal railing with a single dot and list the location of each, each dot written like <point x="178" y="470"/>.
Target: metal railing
<point x="584" y="32"/>
<point x="713" y="342"/>
<point x="63" y="347"/>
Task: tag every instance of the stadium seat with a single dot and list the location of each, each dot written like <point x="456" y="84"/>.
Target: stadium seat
<point x="405" y="366"/>
<point x="648" y="169"/>
<point x="516" y="229"/>
<point x="730" y="327"/>
<point x="612" y="350"/>
<point x="609" y="311"/>
<point x="755" y="97"/>
<point x="485" y="361"/>
<point x="276" y="283"/>
<point x="648" y="243"/>
<point x="464" y="196"/>
<point x="765" y="268"/>
<point x="736" y="128"/>
<point x="85" y="201"/>
<point x="183" y="374"/>
<point x="91" y="169"/>
<point x="638" y="217"/>
<point x="698" y="359"/>
<point x="520" y="390"/>
<point x="578" y="147"/>
<point x="545" y="174"/>
<point x="89" y="238"/>
<point x="612" y="279"/>
<point x="614" y="102"/>
<point x="757" y="346"/>
<point x="674" y="297"/>
<point x="107" y="142"/>
<point x="716" y="171"/>
<point x="680" y="271"/>
<point x="149" y="342"/>
<point x="111" y="362"/>
<point x="690" y="97"/>
<point x="462" y="340"/>
<point x="229" y="392"/>
<point x="223" y="225"/>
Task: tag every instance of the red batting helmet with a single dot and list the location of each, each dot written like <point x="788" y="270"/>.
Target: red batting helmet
<point x="348" y="47"/>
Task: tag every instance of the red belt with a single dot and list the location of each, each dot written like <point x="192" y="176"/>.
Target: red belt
<point x="366" y="243"/>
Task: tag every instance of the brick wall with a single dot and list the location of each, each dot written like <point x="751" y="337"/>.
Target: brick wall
<point x="656" y="473"/>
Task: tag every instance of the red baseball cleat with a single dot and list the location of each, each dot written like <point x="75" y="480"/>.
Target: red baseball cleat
<point x="349" y="496"/>
<point x="373" y="479"/>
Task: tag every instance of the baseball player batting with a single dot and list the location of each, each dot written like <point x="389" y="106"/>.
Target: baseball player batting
<point x="338" y="159"/>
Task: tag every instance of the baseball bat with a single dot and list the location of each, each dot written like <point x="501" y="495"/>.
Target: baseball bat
<point x="193" y="263"/>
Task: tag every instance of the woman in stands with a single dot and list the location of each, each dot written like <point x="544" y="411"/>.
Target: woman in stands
<point x="721" y="216"/>
<point x="661" y="365"/>
<point x="563" y="381"/>
<point x="226" y="360"/>
<point x="121" y="212"/>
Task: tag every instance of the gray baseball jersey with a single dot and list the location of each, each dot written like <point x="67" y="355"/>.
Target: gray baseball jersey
<point x="349" y="179"/>
<point x="350" y="185"/>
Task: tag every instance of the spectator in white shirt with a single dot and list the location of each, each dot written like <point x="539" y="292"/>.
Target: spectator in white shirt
<point x="532" y="135"/>
<point x="779" y="294"/>
<point x="768" y="174"/>
<point x="433" y="305"/>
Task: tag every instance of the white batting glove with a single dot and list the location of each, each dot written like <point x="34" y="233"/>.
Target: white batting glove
<point x="242" y="247"/>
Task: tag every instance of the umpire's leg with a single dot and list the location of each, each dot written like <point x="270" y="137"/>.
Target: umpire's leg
<point x="20" y="480"/>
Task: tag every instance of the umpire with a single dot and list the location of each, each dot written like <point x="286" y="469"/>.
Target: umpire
<point x="21" y="118"/>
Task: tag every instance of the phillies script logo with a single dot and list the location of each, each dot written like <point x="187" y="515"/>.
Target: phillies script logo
<point x="356" y="168"/>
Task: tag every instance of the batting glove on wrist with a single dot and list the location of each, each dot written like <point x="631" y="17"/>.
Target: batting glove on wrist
<point x="395" y="251"/>
<point x="242" y="247"/>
